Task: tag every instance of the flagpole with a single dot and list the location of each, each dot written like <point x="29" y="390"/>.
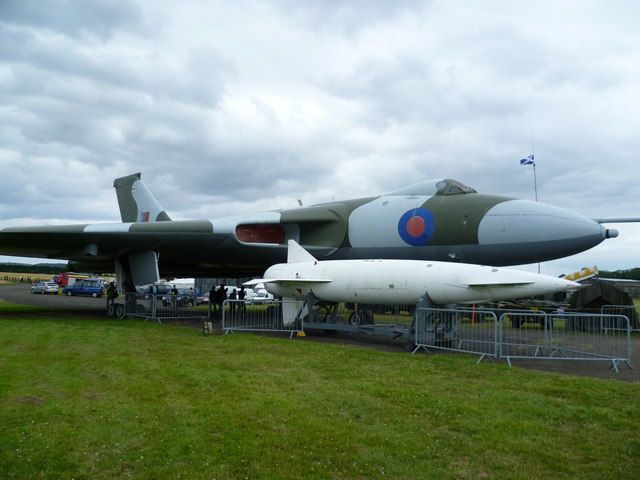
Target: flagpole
<point x="535" y="185"/>
<point x="535" y="178"/>
<point x="531" y="160"/>
<point x="535" y="182"/>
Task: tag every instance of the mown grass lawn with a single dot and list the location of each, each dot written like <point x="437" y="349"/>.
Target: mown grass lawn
<point x="10" y="307"/>
<point x="117" y="399"/>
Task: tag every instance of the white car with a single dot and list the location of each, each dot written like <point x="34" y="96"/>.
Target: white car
<point x="45" y="287"/>
<point x="261" y="295"/>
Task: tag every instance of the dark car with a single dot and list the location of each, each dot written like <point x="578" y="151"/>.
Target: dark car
<point x="146" y="291"/>
<point x="88" y="286"/>
<point x="184" y="298"/>
<point x="163" y="294"/>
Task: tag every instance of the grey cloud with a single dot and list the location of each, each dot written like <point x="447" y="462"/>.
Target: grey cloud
<point x="58" y="63"/>
<point x="346" y="17"/>
<point x="76" y="18"/>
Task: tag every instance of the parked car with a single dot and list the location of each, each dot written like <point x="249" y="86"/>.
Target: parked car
<point x="45" y="287"/>
<point x="146" y="291"/>
<point x="183" y="298"/>
<point x="202" y="300"/>
<point x="89" y="286"/>
<point x="163" y="293"/>
<point x="261" y="295"/>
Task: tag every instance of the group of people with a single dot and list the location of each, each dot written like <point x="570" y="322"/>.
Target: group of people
<point x="217" y="296"/>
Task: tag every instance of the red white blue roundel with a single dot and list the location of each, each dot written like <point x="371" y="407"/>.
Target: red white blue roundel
<point x="416" y="227"/>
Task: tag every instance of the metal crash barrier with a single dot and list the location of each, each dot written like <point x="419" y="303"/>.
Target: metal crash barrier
<point x="526" y="335"/>
<point x="264" y="316"/>
<point x="466" y="330"/>
<point x="628" y="311"/>
<point x="565" y="336"/>
<point x="514" y="334"/>
<point x="151" y="308"/>
<point x="371" y="319"/>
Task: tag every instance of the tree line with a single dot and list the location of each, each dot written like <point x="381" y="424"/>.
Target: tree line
<point x="630" y="274"/>
<point x="37" y="268"/>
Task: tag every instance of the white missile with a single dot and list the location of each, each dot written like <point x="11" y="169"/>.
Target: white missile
<point x="402" y="282"/>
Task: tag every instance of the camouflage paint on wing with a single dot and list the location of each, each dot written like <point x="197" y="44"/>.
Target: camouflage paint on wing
<point x="323" y="225"/>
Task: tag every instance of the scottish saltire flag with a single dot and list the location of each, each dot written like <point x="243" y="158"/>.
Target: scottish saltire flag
<point x="528" y="161"/>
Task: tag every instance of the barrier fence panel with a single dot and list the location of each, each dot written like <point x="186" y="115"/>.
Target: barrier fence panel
<point x="363" y="315"/>
<point x="243" y="315"/>
<point x="462" y="330"/>
<point x="178" y="309"/>
<point x="148" y="307"/>
<point x="628" y="311"/>
<point x="565" y="336"/>
<point x="521" y="332"/>
<point x="138" y="307"/>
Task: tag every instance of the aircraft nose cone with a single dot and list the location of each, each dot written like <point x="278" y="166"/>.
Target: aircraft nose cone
<point x="610" y="233"/>
<point x="547" y="231"/>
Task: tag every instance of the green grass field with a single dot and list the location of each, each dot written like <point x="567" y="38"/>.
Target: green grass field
<point x="117" y="399"/>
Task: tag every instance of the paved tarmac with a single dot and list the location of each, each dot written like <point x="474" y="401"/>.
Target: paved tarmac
<point x="95" y="307"/>
<point x="21" y="293"/>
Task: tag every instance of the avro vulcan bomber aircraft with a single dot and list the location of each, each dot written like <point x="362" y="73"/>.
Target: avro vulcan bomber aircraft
<point x="431" y="220"/>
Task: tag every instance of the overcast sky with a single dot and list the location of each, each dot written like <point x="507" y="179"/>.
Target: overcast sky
<point x="236" y="107"/>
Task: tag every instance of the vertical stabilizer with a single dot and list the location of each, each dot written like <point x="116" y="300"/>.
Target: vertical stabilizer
<point x="136" y="202"/>
<point x="297" y="254"/>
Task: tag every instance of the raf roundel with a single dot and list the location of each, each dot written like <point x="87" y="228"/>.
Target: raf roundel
<point x="416" y="227"/>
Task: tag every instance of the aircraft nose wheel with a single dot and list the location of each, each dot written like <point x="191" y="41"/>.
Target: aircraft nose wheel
<point x="410" y="346"/>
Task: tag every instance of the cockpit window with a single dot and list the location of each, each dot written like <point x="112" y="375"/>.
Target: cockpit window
<point x="445" y="186"/>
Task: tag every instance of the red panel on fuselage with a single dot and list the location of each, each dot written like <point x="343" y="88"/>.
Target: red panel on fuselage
<point x="260" y="233"/>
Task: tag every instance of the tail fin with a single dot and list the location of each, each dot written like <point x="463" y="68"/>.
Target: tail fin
<point x="297" y="254"/>
<point x="136" y="202"/>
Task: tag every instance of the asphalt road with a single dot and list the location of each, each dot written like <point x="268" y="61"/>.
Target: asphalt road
<point x="21" y="293"/>
<point x="95" y="307"/>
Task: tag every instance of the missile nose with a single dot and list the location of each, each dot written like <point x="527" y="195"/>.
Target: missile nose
<point x="572" y="285"/>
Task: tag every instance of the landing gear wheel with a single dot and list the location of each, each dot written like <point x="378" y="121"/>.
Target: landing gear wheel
<point x="409" y="346"/>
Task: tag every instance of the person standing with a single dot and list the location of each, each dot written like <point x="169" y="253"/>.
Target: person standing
<point x="222" y="296"/>
<point x="233" y="296"/>
<point x="174" y="297"/>
<point x="212" y="299"/>
<point x="241" y="296"/>
<point x="112" y="294"/>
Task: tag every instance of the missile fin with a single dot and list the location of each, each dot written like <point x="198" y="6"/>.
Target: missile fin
<point x="497" y="283"/>
<point x="297" y="280"/>
<point x="286" y="280"/>
<point x="297" y="254"/>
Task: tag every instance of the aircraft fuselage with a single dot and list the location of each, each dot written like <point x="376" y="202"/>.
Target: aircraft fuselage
<point x="444" y="222"/>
